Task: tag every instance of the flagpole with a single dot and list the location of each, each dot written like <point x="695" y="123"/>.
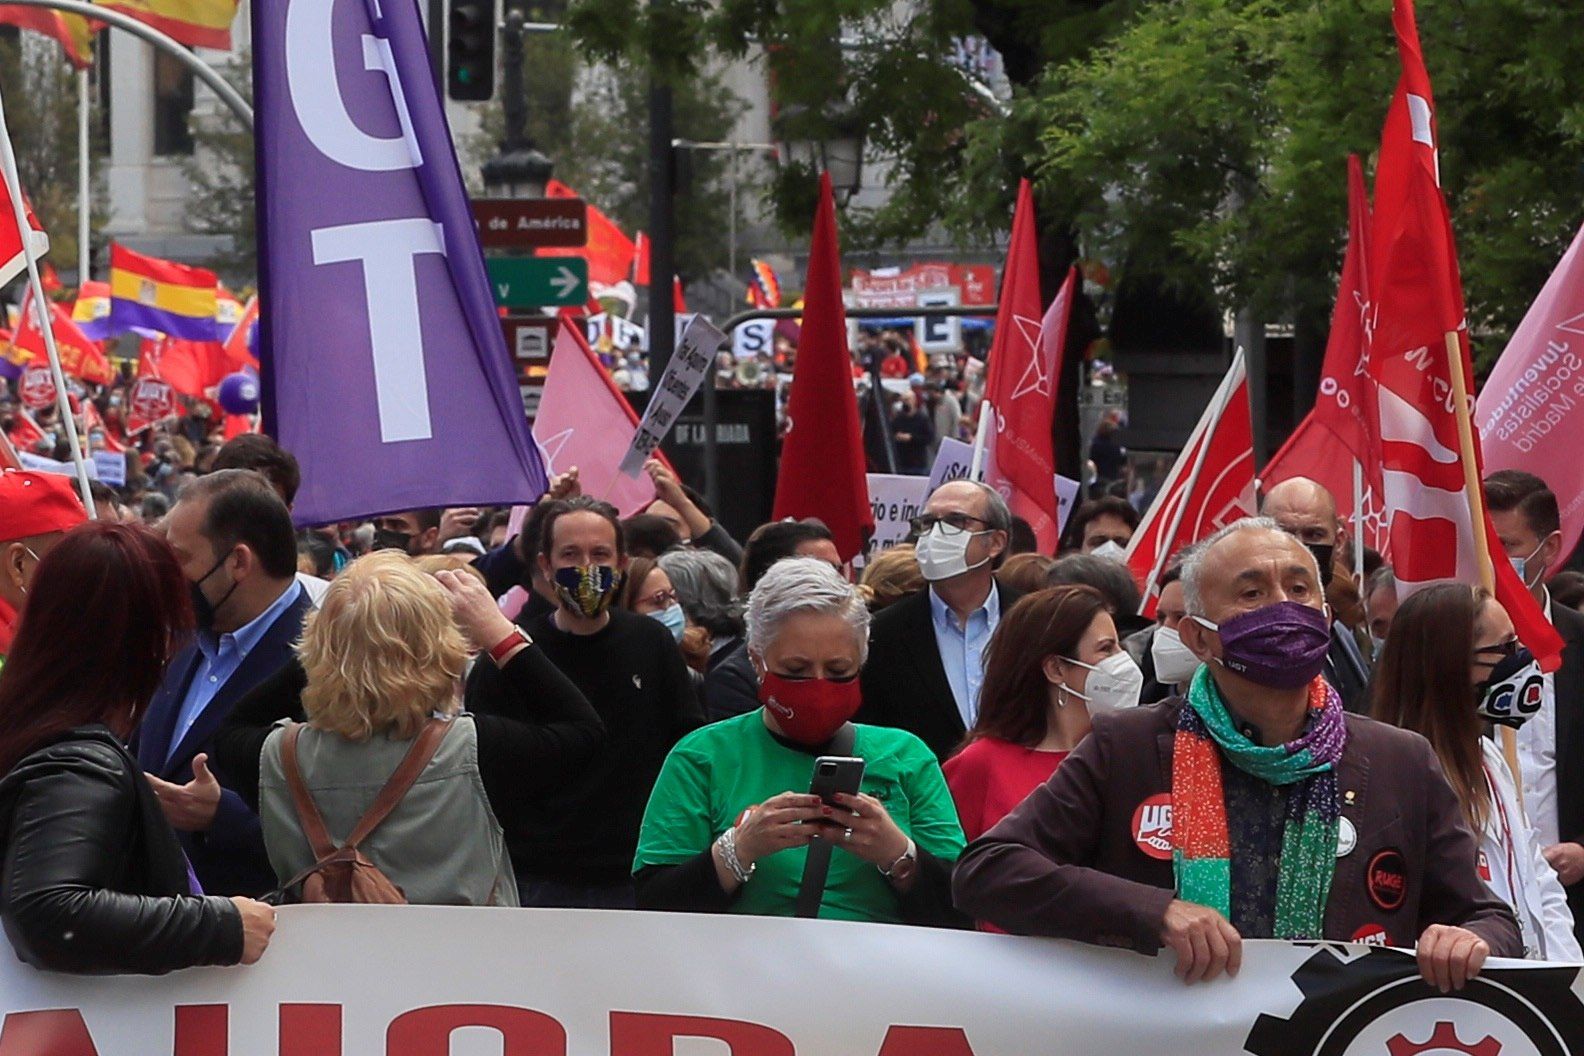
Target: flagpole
<point x="8" y="169"/>
<point x="83" y="204"/>
<point x="981" y="438"/>
<point x="1358" y="522"/>
<point x="1473" y="489"/>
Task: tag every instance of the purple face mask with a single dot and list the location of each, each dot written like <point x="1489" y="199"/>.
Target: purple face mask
<point x="1281" y="646"/>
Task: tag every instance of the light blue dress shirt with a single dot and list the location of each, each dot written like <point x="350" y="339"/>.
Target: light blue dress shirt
<point x="219" y="659"/>
<point x="962" y="649"/>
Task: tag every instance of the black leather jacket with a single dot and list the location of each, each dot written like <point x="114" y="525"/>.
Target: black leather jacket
<point x="93" y="880"/>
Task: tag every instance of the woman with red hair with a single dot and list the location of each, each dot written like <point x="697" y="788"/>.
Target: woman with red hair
<point x="93" y="878"/>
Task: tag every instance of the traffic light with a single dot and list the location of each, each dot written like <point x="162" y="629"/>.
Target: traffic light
<point x="470" y="50"/>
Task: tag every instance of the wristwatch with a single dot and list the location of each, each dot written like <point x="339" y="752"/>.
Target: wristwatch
<point x="904" y="866"/>
<point x="499" y="650"/>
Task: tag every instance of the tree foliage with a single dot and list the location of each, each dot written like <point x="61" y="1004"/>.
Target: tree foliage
<point x="221" y="176"/>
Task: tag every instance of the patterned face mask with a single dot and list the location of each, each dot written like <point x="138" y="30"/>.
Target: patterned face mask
<point x="587" y="589"/>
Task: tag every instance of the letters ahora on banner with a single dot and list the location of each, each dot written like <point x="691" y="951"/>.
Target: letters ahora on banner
<point x="429" y="981"/>
<point x="384" y="367"/>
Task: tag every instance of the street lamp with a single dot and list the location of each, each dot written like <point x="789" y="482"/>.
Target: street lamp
<point x="518" y="169"/>
<point x="840" y="153"/>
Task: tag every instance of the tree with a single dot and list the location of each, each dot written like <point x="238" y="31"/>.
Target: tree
<point x="1210" y="137"/>
<point x="40" y="92"/>
<point x="220" y="175"/>
<point x="591" y="121"/>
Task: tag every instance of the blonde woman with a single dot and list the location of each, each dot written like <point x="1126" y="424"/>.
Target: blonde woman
<point x="383" y="657"/>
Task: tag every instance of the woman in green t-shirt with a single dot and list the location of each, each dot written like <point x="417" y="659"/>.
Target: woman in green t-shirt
<point x="728" y="826"/>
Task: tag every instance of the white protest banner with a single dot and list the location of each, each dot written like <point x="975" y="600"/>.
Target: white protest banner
<point x="40" y="464"/>
<point x="896" y="499"/>
<point x="435" y="981"/>
<point x="689" y="365"/>
<point x="955" y="459"/>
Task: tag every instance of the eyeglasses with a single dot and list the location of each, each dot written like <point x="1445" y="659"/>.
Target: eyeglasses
<point x="952" y="523"/>
<point x="1501" y="650"/>
<point x="660" y="599"/>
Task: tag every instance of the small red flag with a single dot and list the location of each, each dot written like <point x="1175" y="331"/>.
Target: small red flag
<point x="822" y="457"/>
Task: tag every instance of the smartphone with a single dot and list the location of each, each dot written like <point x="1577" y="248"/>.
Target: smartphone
<point x="836" y="773"/>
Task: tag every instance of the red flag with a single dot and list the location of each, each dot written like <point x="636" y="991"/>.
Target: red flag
<point x="25" y="433"/>
<point x="1417" y="296"/>
<point x="822" y="458"/>
<point x="191" y="367"/>
<point x="151" y="400"/>
<point x="678" y="302"/>
<point x="640" y="272"/>
<point x="238" y="355"/>
<point x="12" y="263"/>
<point x="1210" y="486"/>
<point x="1025" y="362"/>
<point x="93" y="420"/>
<point x="1336" y="436"/>
<point x="80" y="357"/>
<point x="609" y="252"/>
<point x="585" y="421"/>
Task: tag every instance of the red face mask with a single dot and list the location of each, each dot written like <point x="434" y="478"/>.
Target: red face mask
<point x="809" y="710"/>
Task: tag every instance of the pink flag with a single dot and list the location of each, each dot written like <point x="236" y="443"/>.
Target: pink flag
<point x="585" y="421"/>
<point x="1527" y="414"/>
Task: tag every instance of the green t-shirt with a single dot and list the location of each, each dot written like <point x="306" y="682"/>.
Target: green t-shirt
<point x="716" y="772"/>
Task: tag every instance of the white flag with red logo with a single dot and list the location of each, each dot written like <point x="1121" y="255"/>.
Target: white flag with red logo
<point x="12" y="262"/>
<point x="1335" y="439"/>
<point x="1417" y="295"/>
<point x="1210" y="486"/>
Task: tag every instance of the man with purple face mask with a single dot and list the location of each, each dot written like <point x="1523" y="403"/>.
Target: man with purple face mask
<point x="1251" y="807"/>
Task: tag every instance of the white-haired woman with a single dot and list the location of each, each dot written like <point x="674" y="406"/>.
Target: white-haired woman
<point x="706" y="586"/>
<point x="729" y="822"/>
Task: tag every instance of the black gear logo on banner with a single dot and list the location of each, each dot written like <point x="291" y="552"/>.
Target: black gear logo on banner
<point x="1375" y="1004"/>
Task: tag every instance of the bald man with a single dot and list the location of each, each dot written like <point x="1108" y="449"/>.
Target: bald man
<point x="1306" y="511"/>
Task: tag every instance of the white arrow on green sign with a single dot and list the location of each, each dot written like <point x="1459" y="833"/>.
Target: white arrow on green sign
<point x="538" y="282"/>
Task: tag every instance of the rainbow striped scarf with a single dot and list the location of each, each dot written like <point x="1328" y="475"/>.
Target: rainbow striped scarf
<point x="1201" y="849"/>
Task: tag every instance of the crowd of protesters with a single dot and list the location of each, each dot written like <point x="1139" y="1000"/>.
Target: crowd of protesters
<point x="574" y="708"/>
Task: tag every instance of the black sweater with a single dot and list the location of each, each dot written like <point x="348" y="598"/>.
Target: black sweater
<point x="633" y="674"/>
<point x="546" y="734"/>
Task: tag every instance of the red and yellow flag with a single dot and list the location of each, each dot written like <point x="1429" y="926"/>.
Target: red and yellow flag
<point x="196" y="23"/>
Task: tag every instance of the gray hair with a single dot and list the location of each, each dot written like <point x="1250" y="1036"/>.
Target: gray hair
<point x="1193" y="559"/>
<point x="1383" y="578"/>
<point x="997" y="514"/>
<point x="803" y="584"/>
<point x="706" y="585"/>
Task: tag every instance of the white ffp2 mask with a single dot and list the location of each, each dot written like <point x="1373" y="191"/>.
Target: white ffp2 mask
<point x="1113" y="684"/>
<point x="1175" y="663"/>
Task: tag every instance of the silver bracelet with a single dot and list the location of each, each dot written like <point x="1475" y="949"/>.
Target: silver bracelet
<point x="727" y="842"/>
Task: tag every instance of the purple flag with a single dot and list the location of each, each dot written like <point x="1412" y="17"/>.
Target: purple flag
<point x="384" y="367"/>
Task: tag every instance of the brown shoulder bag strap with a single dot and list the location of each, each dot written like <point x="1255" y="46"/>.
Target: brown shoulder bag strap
<point x="405" y="776"/>
<point x="308" y="815"/>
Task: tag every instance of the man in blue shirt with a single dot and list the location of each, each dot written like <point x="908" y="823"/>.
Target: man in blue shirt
<point x="926" y="652"/>
<point x="235" y="541"/>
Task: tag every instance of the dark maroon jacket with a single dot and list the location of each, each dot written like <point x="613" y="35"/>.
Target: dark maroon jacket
<point x="1087" y="855"/>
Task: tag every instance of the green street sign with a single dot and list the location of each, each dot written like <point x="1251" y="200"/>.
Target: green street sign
<point x="538" y="282"/>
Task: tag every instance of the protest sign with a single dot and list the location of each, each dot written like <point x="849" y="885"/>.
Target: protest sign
<point x="36" y="388"/>
<point x="40" y="464"/>
<point x="151" y="400"/>
<point x="956" y="457"/>
<point x="756" y="337"/>
<point x="688" y="366"/>
<point x="896" y="499"/>
<point x="427" y="981"/>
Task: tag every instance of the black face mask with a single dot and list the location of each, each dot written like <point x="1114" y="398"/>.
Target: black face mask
<point x="1323" y="553"/>
<point x="390" y="539"/>
<point x="205" y="611"/>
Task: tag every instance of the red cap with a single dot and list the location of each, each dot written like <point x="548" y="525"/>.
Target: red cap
<point x="37" y="504"/>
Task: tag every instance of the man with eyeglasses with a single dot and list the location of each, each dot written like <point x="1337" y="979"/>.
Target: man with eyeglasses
<point x="1551" y="745"/>
<point x="926" y="652"/>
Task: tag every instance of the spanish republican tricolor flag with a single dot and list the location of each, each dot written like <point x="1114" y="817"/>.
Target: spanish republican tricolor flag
<point x="153" y="294"/>
<point x="196" y="23"/>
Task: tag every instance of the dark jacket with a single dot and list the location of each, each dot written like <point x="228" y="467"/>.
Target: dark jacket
<point x="94" y="880"/>
<point x="1346" y="670"/>
<point x="1070" y="861"/>
<point x="731" y="685"/>
<point x="904" y="682"/>
<point x="1570" y="742"/>
<point x="229" y="858"/>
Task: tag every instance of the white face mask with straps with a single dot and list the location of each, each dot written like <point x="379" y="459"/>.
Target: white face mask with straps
<point x="1174" y="662"/>
<point x="942" y="552"/>
<point x="1113" y="684"/>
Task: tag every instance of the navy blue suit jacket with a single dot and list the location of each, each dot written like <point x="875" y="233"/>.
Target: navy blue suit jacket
<point x="229" y="858"/>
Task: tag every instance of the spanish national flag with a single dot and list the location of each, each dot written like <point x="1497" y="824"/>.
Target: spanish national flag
<point x="74" y="33"/>
<point x="196" y="23"/>
<point x="152" y="294"/>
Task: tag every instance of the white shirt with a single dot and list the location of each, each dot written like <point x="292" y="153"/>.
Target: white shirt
<point x="1512" y="864"/>
<point x="1537" y="760"/>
